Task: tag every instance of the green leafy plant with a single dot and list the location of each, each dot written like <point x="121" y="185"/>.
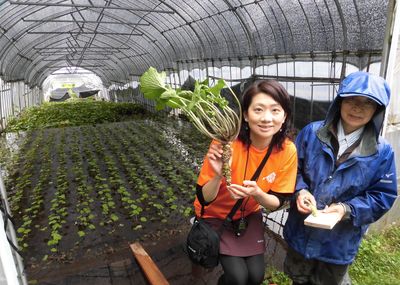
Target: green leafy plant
<point x="274" y="276"/>
<point x="73" y="113"/>
<point x="208" y="111"/>
<point x="378" y="259"/>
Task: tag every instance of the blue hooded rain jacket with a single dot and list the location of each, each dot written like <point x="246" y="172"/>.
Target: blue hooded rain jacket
<point x="365" y="182"/>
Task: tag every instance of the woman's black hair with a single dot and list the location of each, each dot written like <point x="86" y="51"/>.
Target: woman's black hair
<point x="274" y="89"/>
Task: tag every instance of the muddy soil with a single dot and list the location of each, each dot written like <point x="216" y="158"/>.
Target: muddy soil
<point x="119" y="267"/>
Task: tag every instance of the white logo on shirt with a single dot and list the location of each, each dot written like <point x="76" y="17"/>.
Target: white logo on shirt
<point x="270" y="178"/>
<point x="388" y="175"/>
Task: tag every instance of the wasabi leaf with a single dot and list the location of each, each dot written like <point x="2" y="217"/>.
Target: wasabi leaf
<point x="152" y="84"/>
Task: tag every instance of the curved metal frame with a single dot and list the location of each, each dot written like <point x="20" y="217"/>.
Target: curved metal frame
<point x="170" y="32"/>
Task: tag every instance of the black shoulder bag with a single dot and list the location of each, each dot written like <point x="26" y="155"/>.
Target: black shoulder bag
<point x="202" y="243"/>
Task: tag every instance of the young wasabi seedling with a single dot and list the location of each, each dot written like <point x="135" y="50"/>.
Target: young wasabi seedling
<point x="314" y="210"/>
<point x="207" y="110"/>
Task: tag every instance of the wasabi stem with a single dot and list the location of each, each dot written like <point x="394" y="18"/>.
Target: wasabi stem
<point x="226" y="155"/>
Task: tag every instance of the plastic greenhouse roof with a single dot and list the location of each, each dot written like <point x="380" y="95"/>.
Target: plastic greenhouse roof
<point x="120" y="39"/>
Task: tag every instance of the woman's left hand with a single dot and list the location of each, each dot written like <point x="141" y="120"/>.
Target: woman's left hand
<point x="335" y="208"/>
<point x="249" y="188"/>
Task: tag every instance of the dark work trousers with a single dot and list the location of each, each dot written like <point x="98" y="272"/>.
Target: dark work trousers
<point x="314" y="272"/>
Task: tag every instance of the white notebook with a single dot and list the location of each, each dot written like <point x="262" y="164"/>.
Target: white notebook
<point x="322" y="220"/>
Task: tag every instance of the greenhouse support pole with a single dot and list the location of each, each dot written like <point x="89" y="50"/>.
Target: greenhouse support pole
<point x="390" y="70"/>
<point x="12" y="88"/>
<point x="312" y="86"/>
<point x="294" y="90"/>
<point x="207" y="74"/>
<point x="14" y="267"/>
<point x="1" y="104"/>
<point x="390" y="59"/>
<point x="20" y="92"/>
<point x="179" y="73"/>
<point x="387" y="43"/>
<point x="8" y="270"/>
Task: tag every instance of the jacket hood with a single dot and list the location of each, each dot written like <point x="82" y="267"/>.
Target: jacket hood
<point x="362" y="83"/>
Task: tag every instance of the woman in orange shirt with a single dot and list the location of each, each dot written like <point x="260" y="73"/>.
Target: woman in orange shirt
<point x="266" y="123"/>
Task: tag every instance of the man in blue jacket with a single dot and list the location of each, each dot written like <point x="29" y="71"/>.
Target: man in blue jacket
<point x="344" y="167"/>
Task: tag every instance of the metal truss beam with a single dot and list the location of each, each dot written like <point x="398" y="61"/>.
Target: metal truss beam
<point x="80" y="66"/>
<point x="83" y="33"/>
<point x="84" y="22"/>
<point x="73" y="53"/>
<point x="88" y="6"/>
<point x="286" y="79"/>
<point x="78" y="48"/>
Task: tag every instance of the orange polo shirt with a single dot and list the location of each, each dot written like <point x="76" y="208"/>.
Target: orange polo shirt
<point x="278" y="175"/>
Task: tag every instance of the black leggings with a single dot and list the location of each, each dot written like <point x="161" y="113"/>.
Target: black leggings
<point x="242" y="270"/>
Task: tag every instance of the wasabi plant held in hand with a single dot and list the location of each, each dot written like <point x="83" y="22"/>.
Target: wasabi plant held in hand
<point x="205" y="107"/>
<point x="314" y="210"/>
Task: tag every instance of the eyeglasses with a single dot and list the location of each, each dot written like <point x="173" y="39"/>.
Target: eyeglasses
<point x="360" y="102"/>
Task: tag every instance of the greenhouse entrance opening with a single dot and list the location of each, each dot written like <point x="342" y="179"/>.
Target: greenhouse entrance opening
<point x="72" y="82"/>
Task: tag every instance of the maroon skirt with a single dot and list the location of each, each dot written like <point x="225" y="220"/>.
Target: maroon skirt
<point x="250" y="243"/>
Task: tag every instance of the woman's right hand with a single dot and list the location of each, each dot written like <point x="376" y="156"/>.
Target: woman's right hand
<point x="304" y="201"/>
<point x="214" y="156"/>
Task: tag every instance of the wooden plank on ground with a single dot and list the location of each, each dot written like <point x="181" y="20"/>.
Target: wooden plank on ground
<point x="150" y="269"/>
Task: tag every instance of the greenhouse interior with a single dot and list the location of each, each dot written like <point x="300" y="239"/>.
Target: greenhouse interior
<point x="90" y="165"/>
